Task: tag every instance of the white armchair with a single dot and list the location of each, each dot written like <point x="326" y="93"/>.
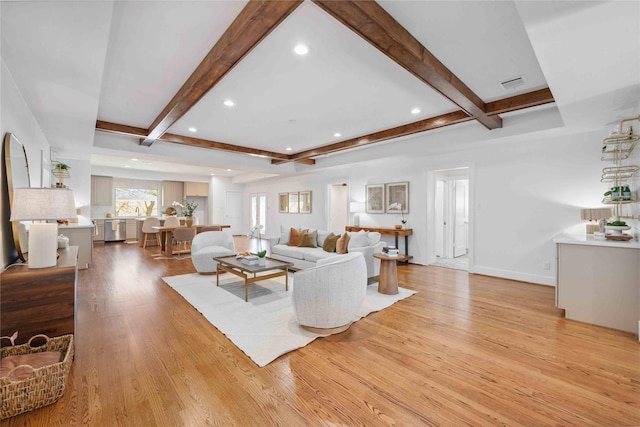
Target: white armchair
<point x="210" y="244"/>
<point x="326" y="298"/>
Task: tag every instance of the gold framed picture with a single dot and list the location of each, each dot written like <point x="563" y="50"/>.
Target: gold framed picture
<point x="304" y="201"/>
<point x="283" y="202"/>
<point x="293" y="203"/>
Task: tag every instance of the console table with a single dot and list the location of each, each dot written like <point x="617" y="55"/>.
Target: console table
<point x="40" y="301"/>
<point x="406" y="232"/>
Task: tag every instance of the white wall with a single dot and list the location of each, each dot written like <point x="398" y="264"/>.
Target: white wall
<point x="16" y="118"/>
<point x="523" y="193"/>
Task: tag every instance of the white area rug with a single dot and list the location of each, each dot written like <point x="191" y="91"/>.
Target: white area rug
<point x="265" y="327"/>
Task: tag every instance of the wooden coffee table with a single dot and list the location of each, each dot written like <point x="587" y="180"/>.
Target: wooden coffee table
<point x="388" y="282"/>
<point x="249" y="272"/>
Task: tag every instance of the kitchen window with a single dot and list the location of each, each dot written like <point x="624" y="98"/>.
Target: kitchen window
<point x="136" y="201"/>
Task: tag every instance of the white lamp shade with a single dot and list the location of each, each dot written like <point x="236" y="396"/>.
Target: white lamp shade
<point x="42" y="204"/>
<point x="32" y="204"/>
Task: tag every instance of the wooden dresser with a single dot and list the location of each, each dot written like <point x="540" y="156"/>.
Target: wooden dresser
<point x="39" y="301"/>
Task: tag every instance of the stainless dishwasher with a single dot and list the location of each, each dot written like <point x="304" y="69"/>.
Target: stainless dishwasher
<point x="115" y="230"/>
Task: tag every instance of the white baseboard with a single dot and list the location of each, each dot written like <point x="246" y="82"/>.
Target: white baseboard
<point x="515" y="275"/>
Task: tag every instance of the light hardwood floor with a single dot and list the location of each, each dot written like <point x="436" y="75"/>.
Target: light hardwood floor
<point x="465" y="350"/>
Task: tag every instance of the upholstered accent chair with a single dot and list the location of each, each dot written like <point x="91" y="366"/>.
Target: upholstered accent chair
<point x="210" y="244"/>
<point x="326" y="298"/>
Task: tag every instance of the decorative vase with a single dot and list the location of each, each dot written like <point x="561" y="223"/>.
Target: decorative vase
<point x="262" y="261"/>
<point x="399" y="227"/>
<point x="188" y="221"/>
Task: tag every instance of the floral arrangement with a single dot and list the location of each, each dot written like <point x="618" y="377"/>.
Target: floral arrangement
<point x="398" y="207"/>
<point x="253" y="233"/>
<point x="187" y="207"/>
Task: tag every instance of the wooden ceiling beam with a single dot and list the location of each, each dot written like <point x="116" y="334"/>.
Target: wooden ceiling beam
<point x="384" y="135"/>
<point x="214" y="145"/>
<point x="371" y="22"/>
<point x="251" y="26"/>
<point x="519" y="102"/>
<point x="110" y="127"/>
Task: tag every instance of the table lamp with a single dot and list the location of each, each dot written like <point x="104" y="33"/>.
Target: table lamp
<point x="42" y="204"/>
<point x="356" y="208"/>
<point x="597" y="214"/>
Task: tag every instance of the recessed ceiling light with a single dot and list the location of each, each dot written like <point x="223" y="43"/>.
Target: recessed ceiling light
<point x="229" y="103"/>
<point x="337" y="134"/>
<point x="228" y="170"/>
<point x="415" y="111"/>
<point x="301" y="49"/>
<point x="288" y="148"/>
<point x="134" y="160"/>
<point x="192" y="129"/>
<point x="213" y="174"/>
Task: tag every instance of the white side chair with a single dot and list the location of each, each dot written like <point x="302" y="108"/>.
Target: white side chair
<point x="211" y="244"/>
<point x="148" y="230"/>
<point x="172" y="221"/>
<point x="326" y="298"/>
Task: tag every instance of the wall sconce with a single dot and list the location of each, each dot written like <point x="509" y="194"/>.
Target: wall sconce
<point x="356" y="208"/>
<point x="42" y="204"/>
<point x="597" y="214"/>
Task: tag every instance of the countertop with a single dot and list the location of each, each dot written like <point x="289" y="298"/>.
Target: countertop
<point x="590" y="240"/>
<point x="81" y="224"/>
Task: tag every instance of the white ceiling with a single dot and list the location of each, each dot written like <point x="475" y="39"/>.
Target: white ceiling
<point x="78" y="62"/>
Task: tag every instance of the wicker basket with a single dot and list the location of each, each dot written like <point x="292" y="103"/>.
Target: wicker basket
<point x="44" y="386"/>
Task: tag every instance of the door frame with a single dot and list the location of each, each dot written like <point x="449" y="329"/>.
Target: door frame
<point x="468" y="171"/>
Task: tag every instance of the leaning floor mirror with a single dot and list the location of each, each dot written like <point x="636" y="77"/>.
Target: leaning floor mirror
<point x="17" y="176"/>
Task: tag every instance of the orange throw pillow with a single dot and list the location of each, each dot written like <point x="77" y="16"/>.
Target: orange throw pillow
<point x="342" y="243"/>
<point x="296" y="237"/>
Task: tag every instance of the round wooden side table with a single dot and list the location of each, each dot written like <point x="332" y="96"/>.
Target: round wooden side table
<point x="388" y="282"/>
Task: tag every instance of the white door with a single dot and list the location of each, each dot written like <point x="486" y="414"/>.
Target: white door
<point x="259" y="211"/>
<point x="338" y="207"/>
<point x="233" y="211"/>
<point x="461" y="217"/>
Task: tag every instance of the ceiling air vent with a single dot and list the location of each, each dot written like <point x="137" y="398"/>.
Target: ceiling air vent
<point x="512" y="83"/>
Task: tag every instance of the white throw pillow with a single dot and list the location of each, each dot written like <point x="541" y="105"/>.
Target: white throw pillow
<point x="285" y="235"/>
<point x="374" y="238"/>
<point x="358" y="240"/>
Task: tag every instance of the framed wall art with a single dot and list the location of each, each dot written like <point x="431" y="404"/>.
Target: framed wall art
<point x="304" y="202"/>
<point x="375" y="198"/>
<point x="397" y="197"/>
<point x="293" y="202"/>
<point x="283" y="202"/>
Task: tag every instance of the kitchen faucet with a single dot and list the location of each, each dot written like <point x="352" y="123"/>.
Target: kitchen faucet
<point x="138" y="211"/>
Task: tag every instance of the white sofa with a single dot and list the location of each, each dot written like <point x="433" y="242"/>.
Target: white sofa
<point x="326" y="298"/>
<point x="365" y="242"/>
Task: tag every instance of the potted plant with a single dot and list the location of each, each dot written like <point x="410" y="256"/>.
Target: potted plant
<point x="188" y="208"/>
<point x="60" y="171"/>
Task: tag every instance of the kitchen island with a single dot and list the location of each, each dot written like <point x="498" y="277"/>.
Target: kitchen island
<point x="599" y="281"/>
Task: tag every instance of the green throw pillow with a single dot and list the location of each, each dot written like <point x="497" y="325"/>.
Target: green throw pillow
<point x="309" y="240"/>
<point x="330" y="243"/>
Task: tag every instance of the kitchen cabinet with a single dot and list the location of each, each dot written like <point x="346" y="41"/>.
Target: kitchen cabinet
<point x="196" y="189"/>
<point x="101" y="190"/>
<point x="131" y="232"/>
<point x="98" y="235"/>
<point x="172" y="191"/>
